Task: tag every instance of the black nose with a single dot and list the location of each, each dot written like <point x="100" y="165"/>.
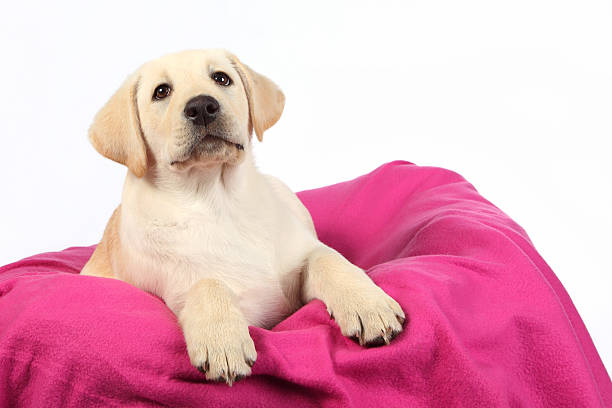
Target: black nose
<point x="202" y="109"/>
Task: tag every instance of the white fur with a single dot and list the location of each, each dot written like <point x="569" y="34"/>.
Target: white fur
<point x="234" y="226"/>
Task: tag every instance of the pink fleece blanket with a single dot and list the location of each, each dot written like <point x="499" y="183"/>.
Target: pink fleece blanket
<point x="489" y="323"/>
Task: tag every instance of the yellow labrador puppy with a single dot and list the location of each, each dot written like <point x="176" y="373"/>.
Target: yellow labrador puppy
<point x="224" y="245"/>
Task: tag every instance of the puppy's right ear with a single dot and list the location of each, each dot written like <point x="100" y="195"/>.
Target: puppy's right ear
<point x="116" y="132"/>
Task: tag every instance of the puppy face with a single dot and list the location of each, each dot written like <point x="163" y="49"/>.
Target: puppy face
<point x="194" y="108"/>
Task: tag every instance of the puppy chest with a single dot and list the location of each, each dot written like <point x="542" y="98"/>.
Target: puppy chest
<point x="172" y="256"/>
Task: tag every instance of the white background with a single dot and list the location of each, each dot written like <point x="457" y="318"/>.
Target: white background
<point x="515" y="95"/>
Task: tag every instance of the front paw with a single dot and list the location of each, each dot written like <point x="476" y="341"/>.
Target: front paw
<point x="223" y="350"/>
<point x="367" y="314"/>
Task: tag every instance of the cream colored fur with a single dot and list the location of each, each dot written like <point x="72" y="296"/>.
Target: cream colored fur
<point x="224" y="245"/>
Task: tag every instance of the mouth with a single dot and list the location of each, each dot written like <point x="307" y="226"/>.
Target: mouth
<point x="237" y="145"/>
<point x="211" y="138"/>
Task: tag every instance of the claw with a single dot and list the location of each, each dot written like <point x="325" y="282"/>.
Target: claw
<point x="386" y="335"/>
<point x="360" y="332"/>
<point x="357" y="337"/>
<point x="223" y="378"/>
<point x="230" y="378"/>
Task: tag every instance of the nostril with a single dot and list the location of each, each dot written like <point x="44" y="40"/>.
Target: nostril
<point x="191" y="112"/>
<point x="211" y="108"/>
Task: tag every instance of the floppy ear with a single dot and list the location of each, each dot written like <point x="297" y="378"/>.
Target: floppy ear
<point x="116" y="132"/>
<point x="266" y="100"/>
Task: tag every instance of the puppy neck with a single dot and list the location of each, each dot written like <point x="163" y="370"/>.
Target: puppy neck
<point x="196" y="184"/>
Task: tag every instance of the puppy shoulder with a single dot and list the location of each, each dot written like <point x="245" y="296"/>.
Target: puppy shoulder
<point x="291" y="201"/>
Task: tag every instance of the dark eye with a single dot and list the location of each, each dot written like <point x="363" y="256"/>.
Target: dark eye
<point x="222" y="78"/>
<point x="161" y="91"/>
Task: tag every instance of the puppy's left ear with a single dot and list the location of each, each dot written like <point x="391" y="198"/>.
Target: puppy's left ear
<point x="116" y="133"/>
<point x="266" y="100"/>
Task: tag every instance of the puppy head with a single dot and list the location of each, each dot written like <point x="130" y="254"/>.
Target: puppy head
<point x="194" y="108"/>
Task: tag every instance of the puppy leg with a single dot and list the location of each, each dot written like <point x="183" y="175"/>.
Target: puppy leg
<point x="361" y="309"/>
<point x="216" y="332"/>
<point x="100" y="262"/>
